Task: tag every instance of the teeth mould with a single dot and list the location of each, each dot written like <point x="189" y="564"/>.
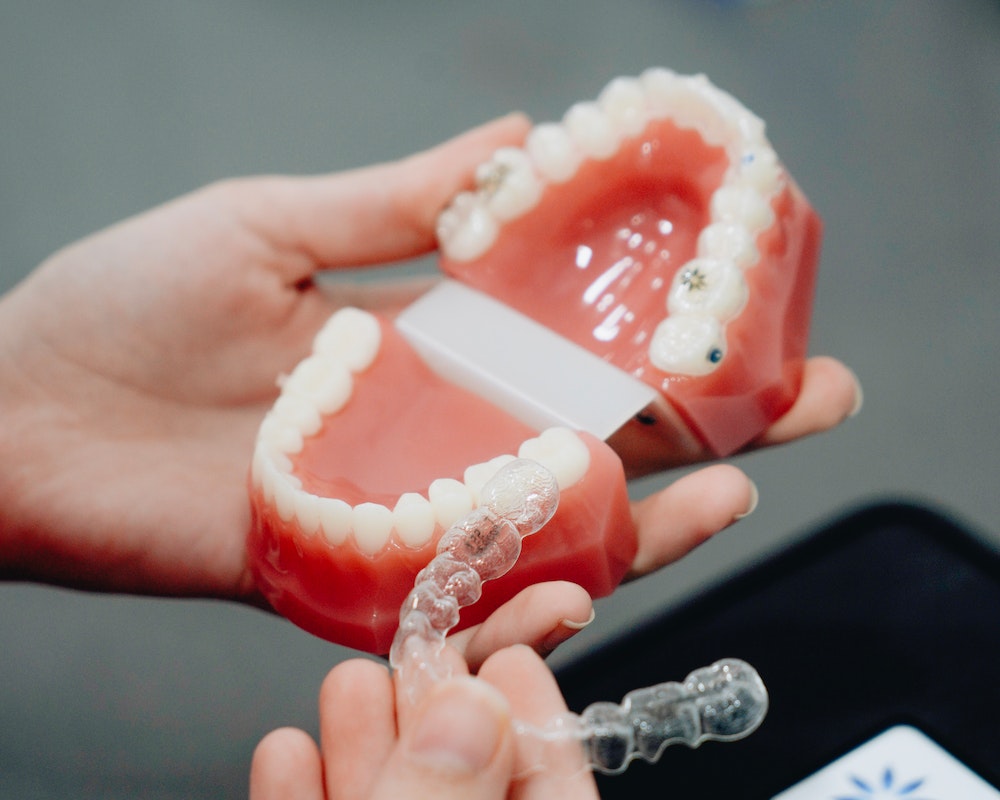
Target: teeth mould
<point x="654" y="227"/>
<point x="662" y="233"/>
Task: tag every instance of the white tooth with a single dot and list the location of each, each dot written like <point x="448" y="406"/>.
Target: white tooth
<point x="284" y="498"/>
<point x="413" y="519"/>
<point x="553" y="152"/>
<point x="592" y="130"/>
<point x="624" y="101"/>
<point x="477" y="475"/>
<point x="696" y="110"/>
<point x="269" y="474"/>
<point x="307" y="512"/>
<point x="561" y="451"/>
<point x="660" y="86"/>
<point x="321" y="381"/>
<point x="466" y="229"/>
<point x="759" y="168"/>
<point x="451" y="499"/>
<point x="335" y="518"/>
<point x="692" y="344"/>
<point x="279" y="437"/>
<point x="297" y="412"/>
<point x="742" y="205"/>
<point x="352" y="337"/>
<point x="708" y="286"/>
<point x="730" y="241"/>
<point x="372" y="526"/>
<point x="509" y="183"/>
<point x="744" y="124"/>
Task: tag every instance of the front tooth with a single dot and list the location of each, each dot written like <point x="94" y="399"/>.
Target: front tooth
<point x="592" y="130"/>
<point x="451" y="499"/>
<point x="742" y="205"/>
<point x="466" y="229"/>
<point x="335" y="519"/>
<point x="477" y="475"/>
<point x="372" y="526"/>
<point x="284" y="498"/>
<point x="553" y="152"/>
<point x="352" y="337"/>
<point x="660" y="86"/>
<point x="624" y="101"/>
<point x="307" y="512"/>
<point x="509" y="184"/>
<point x="413" y="519"/>
<point x="692" y="344"/>
<point x="727" y="240"/>
<point x="561" y="451"/>
<point x="322" y="382"/>
<point x="709" y="286"/>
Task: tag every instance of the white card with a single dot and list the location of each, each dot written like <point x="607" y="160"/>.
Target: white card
<point x="899" y="763"/>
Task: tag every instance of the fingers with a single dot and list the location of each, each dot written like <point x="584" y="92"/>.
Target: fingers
<point x="357" y="727"/>
<point x="542" y="771"/>
<point x="286" y="766"/>
<point x="366" y="216"/>
<point x="542" y="617"/>
<point x="687" y="512"/>
<point x="830" y="394"/>
<point x="456" y="743"/>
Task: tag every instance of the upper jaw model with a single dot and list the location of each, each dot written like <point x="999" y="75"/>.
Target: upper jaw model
<point x="654" y="230"/>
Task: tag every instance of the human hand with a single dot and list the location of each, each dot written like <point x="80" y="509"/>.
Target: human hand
<point x="137" y="364"/>
<point x="457" y="741"/>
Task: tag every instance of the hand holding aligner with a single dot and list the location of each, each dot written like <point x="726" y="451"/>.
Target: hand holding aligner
<point x="724" y="701"/>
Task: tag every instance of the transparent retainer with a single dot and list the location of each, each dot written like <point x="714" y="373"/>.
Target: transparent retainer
<point x="725" y="701"/>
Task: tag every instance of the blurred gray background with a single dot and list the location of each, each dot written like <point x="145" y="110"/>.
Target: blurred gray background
<point x="887" y="113"/>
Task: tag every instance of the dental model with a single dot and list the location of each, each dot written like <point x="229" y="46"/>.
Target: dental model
<point x="725" y="701"/>
<point x="634" y="283"/>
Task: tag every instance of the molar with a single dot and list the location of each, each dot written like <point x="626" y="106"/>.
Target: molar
<point x="466" y="229"/>
<point x="710" y="286"/>
<point x="689" y="344"/>
<point x="509" y="184"/>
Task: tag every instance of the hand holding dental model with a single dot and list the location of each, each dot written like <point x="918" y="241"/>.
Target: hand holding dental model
<point x="136" y="366"/>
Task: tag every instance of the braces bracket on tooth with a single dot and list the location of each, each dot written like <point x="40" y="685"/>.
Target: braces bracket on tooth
<point x="725" y="701"/>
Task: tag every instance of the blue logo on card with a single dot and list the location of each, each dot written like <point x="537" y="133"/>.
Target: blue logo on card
<point x="887" y="785"/>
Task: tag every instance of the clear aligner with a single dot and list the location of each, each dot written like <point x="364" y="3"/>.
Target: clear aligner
<point x="725" y="701"/>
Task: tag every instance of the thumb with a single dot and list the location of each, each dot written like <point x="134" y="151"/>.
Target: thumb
<point x="457" y="743"/>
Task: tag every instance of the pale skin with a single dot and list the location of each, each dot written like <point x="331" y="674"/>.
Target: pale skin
<point x="137" y="364"/>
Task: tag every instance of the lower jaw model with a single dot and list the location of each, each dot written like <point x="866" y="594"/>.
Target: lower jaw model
<point x="654" y="229"/>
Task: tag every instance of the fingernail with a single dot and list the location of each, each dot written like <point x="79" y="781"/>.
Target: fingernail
<point x="460" y="727"/>
<point x="859" y="399"/>
<point x="563" y="631"/>
<point x="754" y="499"/>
